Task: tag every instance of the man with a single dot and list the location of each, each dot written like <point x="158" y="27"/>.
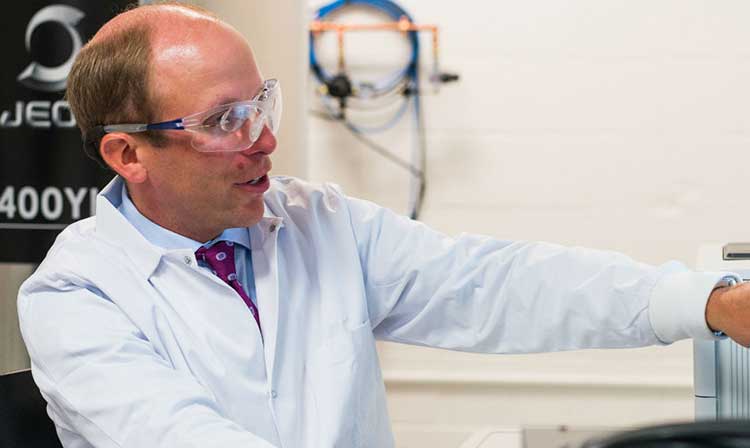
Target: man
<point x="208" y="305"/>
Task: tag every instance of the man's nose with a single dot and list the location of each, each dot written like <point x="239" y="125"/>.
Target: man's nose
<point x="266" y="142"/>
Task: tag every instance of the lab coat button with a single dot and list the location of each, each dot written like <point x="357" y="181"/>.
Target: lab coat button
<point x="273" y="394"/>
<point x="272" y="228"/>
<point x="188" y="260"/>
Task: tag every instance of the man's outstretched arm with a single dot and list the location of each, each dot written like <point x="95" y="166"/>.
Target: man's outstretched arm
<point x="477" y="293"/>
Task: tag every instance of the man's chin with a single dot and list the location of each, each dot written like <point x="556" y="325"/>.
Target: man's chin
<point x="248" y="217"/>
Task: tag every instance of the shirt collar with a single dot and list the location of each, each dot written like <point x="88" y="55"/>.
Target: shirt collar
<point x="113" y="225"/>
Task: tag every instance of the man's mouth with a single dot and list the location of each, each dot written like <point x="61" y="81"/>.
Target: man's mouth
<point x="256" y="181"/>
<point x="258" y="185"/>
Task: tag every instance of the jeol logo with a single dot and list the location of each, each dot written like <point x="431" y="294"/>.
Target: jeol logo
<point x="46" y="114"/>
<point x="52" y="79"/>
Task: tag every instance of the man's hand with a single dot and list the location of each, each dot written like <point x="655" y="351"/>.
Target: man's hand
<point x="728" y="310"/>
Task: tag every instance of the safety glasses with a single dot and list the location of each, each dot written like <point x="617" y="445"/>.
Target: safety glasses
<point x="225" y="128"/>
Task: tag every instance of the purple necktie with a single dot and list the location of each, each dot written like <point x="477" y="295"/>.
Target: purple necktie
<point x="220" y="257"/>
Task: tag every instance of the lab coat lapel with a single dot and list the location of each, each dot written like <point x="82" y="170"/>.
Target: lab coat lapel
<point x="263" y="238"/>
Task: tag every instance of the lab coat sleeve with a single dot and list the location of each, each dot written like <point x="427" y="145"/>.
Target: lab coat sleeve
<point x="104" y="380"/>
<point x="476" y="293"/>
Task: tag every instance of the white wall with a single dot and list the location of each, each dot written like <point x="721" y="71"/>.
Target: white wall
<point x="619" y="125"/>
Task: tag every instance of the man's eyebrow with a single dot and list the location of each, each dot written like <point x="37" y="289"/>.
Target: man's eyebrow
<point x="233" y="99"/>
<point x="225" y="100"/>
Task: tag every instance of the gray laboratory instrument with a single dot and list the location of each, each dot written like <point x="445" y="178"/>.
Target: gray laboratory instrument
<point x="722" y="368"/>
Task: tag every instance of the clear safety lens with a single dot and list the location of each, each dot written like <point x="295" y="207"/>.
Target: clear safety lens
<point x="236" y="126"/>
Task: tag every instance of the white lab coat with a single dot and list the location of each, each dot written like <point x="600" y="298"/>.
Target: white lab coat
<point x="136" y="346"/>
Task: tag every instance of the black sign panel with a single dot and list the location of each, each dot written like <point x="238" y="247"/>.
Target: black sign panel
<point x="46" y="180"/>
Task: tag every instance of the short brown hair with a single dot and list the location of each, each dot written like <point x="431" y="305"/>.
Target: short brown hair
<point x="109" y="80"/>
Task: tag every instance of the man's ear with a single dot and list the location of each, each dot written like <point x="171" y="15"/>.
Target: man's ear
<point x="119" y="151"/>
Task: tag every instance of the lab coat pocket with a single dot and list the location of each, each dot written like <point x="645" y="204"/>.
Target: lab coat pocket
<point x="343" y="375"/>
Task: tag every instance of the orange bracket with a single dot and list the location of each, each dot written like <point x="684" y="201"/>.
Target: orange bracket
<point x="403" y="25"/>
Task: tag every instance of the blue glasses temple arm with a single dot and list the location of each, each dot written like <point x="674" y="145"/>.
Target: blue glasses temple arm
<point x="164" y="125"/>
<point x="173" y="124"/>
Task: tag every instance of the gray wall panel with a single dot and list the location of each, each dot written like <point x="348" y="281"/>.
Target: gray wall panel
<point x="13" y="354"/>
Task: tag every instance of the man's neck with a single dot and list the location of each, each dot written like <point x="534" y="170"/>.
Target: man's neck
<point x="167" y="218"/>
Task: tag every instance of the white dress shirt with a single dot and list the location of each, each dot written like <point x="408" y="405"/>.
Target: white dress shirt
<point x="134" y="345"/>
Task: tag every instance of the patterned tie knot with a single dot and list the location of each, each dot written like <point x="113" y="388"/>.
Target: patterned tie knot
<point x="220" y="257"/>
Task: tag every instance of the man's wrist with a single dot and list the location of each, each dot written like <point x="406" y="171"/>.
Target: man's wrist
<point x="714" y="305"/>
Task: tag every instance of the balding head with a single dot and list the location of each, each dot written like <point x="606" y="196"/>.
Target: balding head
<point x="164" y="14"/>
<point x="111" y="78"/>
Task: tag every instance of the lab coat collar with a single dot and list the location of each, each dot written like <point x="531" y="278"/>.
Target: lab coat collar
<point x="268" y="224"/>
<point x="112" y="226"/>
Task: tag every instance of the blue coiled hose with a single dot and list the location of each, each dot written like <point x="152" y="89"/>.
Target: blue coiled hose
<point x="389" y="8"/>
<point x="410" y="73"/>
